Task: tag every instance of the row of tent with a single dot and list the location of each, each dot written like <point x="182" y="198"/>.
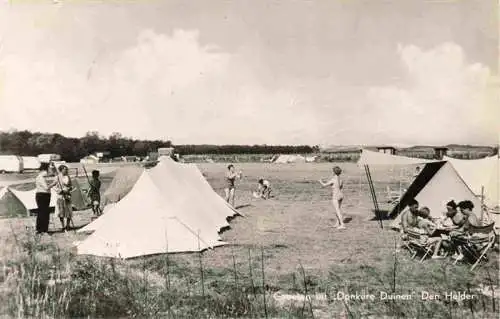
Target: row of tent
<point x="169" y="208"/>
<point x="14" y="202"/>
<point x="442" y="180"/>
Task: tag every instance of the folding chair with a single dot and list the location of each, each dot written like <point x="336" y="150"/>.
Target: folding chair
<point x="418" y="243"/>
<point x="476" y="244"/>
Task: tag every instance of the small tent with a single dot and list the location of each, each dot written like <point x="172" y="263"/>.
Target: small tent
<point x="122" y="183"/>
<point x="162" y="213"/>
<point x="436" y="184"/>
<point x="10" y="205"/>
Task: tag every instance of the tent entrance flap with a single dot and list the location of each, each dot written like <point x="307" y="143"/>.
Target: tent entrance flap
<point x="427" y="173"/>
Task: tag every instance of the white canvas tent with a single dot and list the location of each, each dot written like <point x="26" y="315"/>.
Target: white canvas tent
<point x="170" y="209"/>
<point x="481" y="174"/>
<point x="437" y="184"/>
<point x="123" y="181"/>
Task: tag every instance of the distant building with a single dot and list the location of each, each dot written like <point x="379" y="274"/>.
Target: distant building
<point x="386" y="150"/>
<point x="439" y="152"/>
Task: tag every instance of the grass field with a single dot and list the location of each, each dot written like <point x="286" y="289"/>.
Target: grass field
<point x="285" y="247"/>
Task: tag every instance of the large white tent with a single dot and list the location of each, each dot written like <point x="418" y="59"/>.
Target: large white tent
<point x="482" y="176"/>
<point x="440" y="180"/>
<point x="171" y="208"/>
<point x="437" y="184"/>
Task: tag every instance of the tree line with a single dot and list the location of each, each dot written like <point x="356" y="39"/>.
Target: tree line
<point x="26" y="143"/>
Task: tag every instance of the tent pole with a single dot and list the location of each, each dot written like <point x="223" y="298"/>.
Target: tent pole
<point x="373" y="194"/>
<point x="482" y="204"/>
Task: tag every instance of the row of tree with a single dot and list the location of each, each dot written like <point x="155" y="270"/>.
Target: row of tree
<point x="26" y="143"/>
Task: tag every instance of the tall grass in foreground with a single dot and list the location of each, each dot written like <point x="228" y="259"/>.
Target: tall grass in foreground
<point x="44" y="282"/>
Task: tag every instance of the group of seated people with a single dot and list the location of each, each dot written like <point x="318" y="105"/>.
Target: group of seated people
<point x="458" y="219"/>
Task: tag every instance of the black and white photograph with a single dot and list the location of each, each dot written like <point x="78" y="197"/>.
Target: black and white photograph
<point x="249" y="159"/>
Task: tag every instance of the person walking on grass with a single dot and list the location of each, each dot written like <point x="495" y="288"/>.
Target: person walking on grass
<point x="42" y="198"/>
<point x="64" y="208"/>
<point x="95" y="193"/>
<point x="231" y="176"/>
<point x="337" y="185"/>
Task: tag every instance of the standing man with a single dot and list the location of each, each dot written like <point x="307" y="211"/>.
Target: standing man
<point x="42" y="197"/>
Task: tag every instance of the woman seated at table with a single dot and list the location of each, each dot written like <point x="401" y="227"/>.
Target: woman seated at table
<point x="463" y="219"/>
<point x="452" y="218"/>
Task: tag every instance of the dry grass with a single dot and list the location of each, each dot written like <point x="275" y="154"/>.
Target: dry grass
<point x="285" y="245"/>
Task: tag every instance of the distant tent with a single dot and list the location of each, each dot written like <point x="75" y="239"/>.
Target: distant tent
<point x="169" y="209"/>
<point x="285" y="159"/>
<point x="10" y="205"/>
<point x="123" y="182"/>
<point x="437" y="184"/>
<point x="31" y="162"/>
<point x="311" y="159"/>
<point x="481" y="173"/>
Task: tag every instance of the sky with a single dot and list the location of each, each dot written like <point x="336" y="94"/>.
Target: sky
<point x="326" y="72"/>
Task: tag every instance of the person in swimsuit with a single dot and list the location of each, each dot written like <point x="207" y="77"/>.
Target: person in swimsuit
<point x="337" y="185"/>
<point x="409" y="219"/>
<point x="231" y="176"/>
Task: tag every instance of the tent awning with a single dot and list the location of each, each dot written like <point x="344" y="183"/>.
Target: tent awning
<point x="376" y="158"/>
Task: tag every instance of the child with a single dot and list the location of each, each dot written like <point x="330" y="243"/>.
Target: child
<point x="95" y="193"/>
<point x="264" y="190"/>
